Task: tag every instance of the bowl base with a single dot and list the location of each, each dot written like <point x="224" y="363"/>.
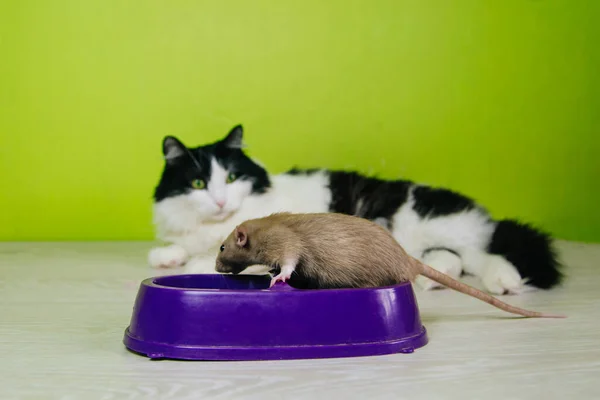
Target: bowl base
<point x="257" y="353"/>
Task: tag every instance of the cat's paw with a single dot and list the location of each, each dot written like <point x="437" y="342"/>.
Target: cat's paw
<point x="167" y="257"/>
<point x="443" y="261"/>
<point x="501" y="277"/>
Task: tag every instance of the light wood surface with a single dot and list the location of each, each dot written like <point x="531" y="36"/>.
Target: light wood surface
<point x="64" y="306"/>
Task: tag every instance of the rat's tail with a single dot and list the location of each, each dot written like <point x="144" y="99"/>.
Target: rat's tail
<point x="471" y="291"/>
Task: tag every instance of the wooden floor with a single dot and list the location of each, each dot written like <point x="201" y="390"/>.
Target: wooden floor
<point x="63" y="309"/>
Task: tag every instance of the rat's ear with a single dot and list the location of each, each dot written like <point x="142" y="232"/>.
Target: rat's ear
<point x="173" y="148"/>
<point x="241" y="236"/>
<point x="234" y="139"/>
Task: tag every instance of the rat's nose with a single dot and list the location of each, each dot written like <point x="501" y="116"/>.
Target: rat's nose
<point x="220" y="203"/>
<point x="222" y="268"/>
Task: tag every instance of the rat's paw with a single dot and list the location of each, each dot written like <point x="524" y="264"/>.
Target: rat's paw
<point x="167" y="257"/>
<point x="284" y="275"/>
<point x="442" y="261"/>
<point x="279" y="278"/>
<point x="501" y="277"/>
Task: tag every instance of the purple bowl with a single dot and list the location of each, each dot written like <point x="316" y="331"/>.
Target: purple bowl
<point x="237" y="317"/>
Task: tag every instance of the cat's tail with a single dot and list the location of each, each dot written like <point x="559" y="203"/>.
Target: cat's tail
<point x="530" y="250"/>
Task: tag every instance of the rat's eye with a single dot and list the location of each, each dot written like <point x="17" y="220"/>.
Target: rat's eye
<point x="222" y="247"/>
<point x="231" y="177"/>
<point x="198" y="184"/>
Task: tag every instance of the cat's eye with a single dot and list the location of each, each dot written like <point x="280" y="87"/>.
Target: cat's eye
<point x="231" y="177"/>
<point x="222" y="247"/>
<point x="198" y="184"/>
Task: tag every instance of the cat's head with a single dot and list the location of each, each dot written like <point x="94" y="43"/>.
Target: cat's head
<point x="210" y="181"/>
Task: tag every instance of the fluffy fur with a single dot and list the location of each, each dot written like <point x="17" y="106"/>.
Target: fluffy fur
<point x="204" y="192"/>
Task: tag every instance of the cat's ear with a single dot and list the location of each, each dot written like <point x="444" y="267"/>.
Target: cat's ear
<point x="173" y="148"/>
<point x="241" y="236"/>
<point x="235" y="138"/>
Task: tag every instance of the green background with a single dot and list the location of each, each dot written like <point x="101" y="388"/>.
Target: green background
<point x="498" y="99"/>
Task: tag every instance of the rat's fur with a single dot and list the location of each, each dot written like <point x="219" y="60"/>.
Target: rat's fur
<point x="329" y="250"/>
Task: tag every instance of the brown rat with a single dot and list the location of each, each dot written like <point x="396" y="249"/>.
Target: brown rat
<point x="330" y="250"/>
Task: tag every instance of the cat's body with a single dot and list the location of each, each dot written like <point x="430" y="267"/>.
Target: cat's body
<point x="206" y="191"/>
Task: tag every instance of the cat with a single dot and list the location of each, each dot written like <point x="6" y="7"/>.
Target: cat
<point x="204" y="192"/>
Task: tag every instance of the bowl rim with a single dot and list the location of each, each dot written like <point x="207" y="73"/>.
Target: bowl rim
<point x="279" y="287"/>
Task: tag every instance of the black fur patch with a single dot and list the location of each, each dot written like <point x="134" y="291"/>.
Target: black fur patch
<point x="435" y="202"/>
<point x="300" y="171"/>
<point x="366" y="197"/>
<point x="178" y="174"/>
<point x="195" y="163"/>
<point x="529" y="250"/>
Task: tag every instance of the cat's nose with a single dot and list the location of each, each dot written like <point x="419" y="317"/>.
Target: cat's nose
<point x="220" y="203"/>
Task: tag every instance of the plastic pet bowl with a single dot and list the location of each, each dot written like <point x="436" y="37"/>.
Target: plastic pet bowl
<point x="237" y="317"/>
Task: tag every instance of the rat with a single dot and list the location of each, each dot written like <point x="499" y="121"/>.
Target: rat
<point x="333" y="250"/>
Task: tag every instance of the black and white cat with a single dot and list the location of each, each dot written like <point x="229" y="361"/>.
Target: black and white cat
<point x="204" y="192"/>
